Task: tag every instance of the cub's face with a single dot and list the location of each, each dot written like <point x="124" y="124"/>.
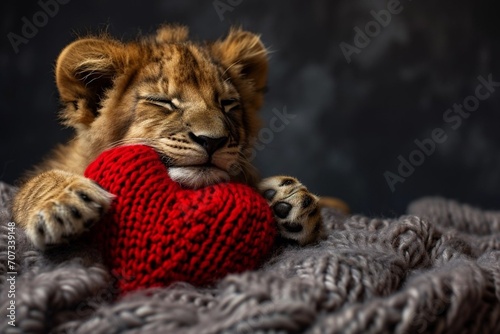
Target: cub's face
<point x="187" y="107"/>
<point x="196" y="104"/>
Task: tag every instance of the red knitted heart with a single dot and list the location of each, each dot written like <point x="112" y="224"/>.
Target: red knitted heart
<point x="157" y="233"/>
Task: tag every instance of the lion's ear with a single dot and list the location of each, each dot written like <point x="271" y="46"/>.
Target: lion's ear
<point x="85" y="69"/>
<point x="244" y="56"/>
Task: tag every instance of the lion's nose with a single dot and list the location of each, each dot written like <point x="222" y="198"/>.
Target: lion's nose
<point x="208" y="143"/>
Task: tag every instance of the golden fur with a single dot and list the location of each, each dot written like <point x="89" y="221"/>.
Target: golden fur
<point x="195" y="103"/>
<point x="197" y="77"/>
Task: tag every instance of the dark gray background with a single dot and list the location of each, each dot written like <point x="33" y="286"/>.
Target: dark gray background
<point x="353" y="120"/>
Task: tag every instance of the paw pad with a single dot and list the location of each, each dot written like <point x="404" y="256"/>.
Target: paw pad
<point x="269" y="194"/>
<point x="282" y="209"/>
<point x="295" y="209"/>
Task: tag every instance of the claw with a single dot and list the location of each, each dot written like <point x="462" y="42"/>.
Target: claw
<point x="86" y="198"/>
<point x="75" y="212"/>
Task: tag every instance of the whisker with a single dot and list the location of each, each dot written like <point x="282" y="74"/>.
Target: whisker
<point x="246" y="167"/>
<point x="227" y="69"/>
<point x="128" y="141"/>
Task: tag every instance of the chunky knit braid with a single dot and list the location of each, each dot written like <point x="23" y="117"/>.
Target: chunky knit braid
<point x="406" y="275"/>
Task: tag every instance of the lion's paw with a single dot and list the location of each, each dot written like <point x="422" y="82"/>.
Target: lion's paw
<point x="296" y="210"/>
<point x="63" y="207"/>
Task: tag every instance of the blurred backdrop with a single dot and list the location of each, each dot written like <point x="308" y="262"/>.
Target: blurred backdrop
<point x="388" y="101"/>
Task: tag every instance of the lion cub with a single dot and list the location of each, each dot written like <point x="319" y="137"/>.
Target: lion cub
<point x="196" y="104"/>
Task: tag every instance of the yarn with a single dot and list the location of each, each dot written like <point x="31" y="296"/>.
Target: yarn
<point x="371" y="275"/>
<point x="157" y="233"/>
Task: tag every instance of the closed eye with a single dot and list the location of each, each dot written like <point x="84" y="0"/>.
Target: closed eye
<point x="161" y="102"/>
<point x="230" y="105"/>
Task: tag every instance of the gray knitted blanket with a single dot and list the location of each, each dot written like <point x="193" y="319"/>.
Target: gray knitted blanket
<point x="436" y="270"/>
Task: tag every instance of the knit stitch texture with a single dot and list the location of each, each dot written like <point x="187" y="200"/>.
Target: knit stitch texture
<point x="434" y="271"/>
<point x="158" y="233"/>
